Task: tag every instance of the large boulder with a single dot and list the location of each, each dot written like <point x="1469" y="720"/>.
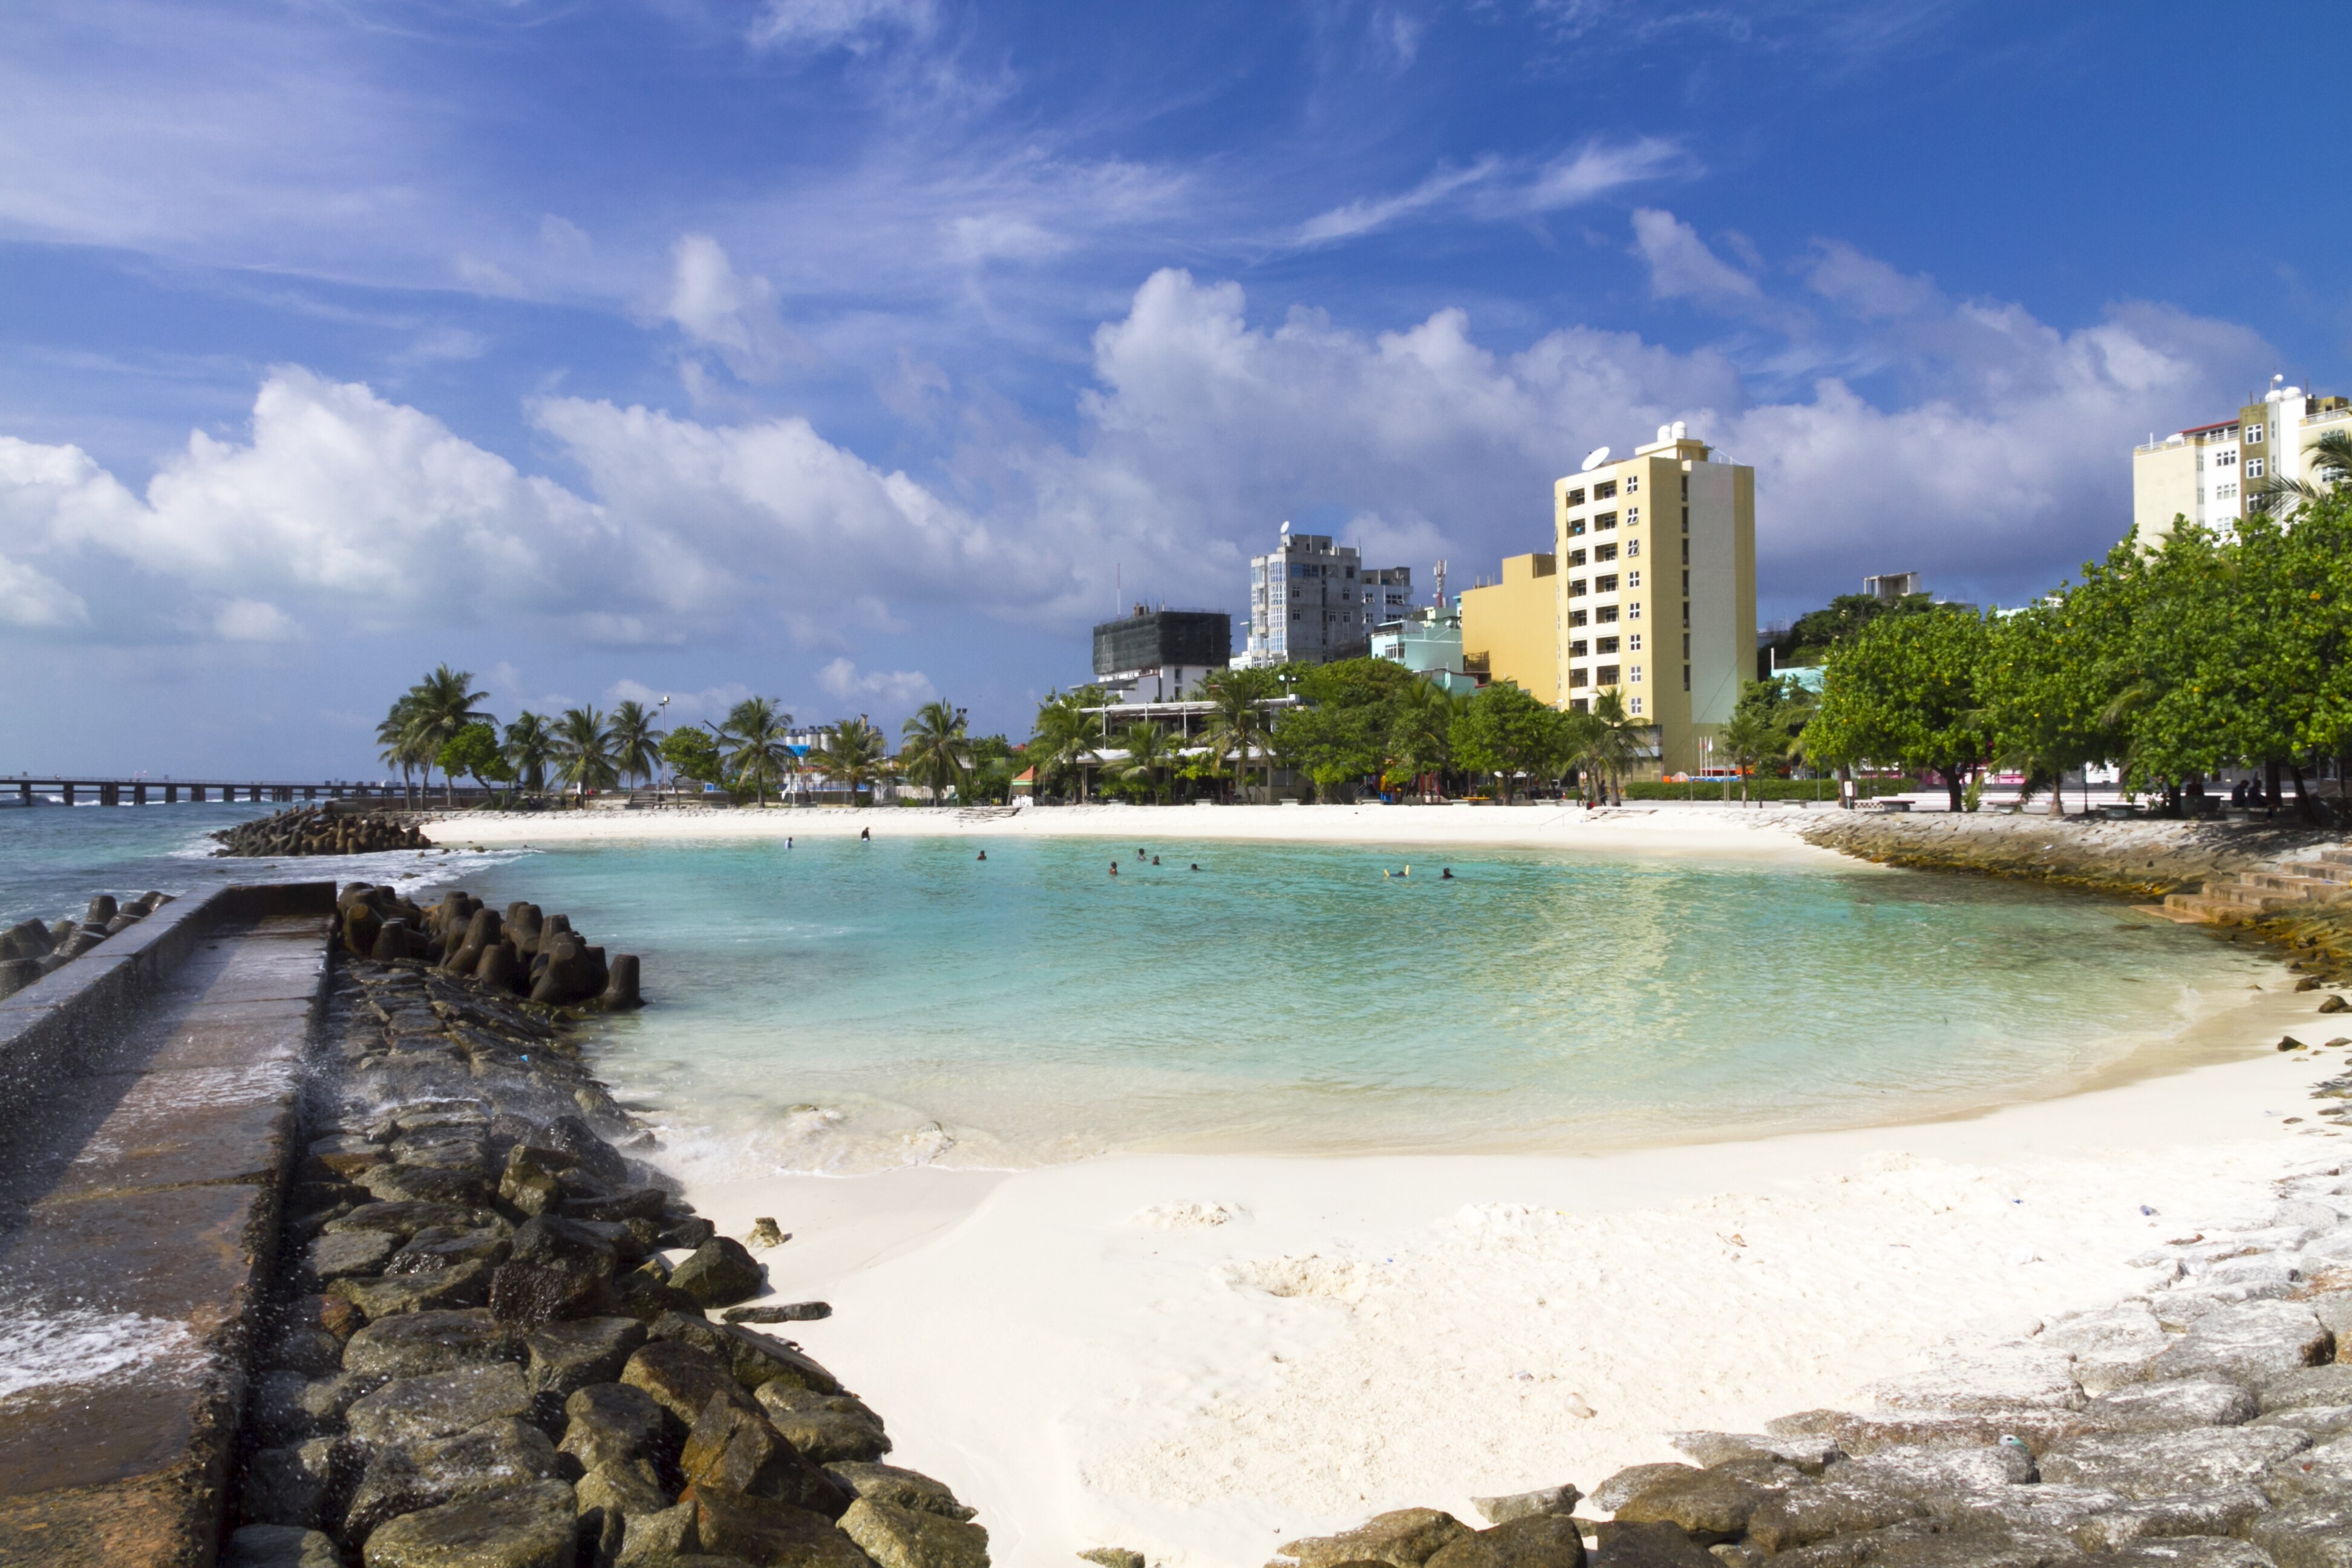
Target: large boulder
<point x="556" y="1270"/>
<point x="2312" y="1532"/>
<point x="1706" y="1505"/>
<point x="1786" y="1520"/>
<point x="420" y="1342"/>
<point x="1654" y="1545"/>
<point x="683" y="1380"/>
<point x="740" y="1450"/>
<point x="349" y="1254"/>
<point x="446" y="1246"/>
<point x="2309" y="1387"/>
<point x="2159" y="1464"/>
<point x="531" y="1526"/>
<point x="2322" y="1470"/>
<point x="827" y="1428"/>
<point x="2226" y="1511"/>
<point x="905" y="1489"/>
<point x="608" y="1422"/>
<point x="1630" y="1482"/>
<point x="459" y="1286"/>
<point x="2251" y="1342"/>
<point x="280" y="1546"/>
<point x="755" y="1359"/>
<point x="720" y="1273"/>
<point x="2171" y="1405"/>
<point x="494" y="1457"/>
<point x="896" y="1537"/>
<point x="762" y="1530"/>
<point x="1531" y="1540"/>
<point x="1406" y="1538"/>
<point x="291" y="1486"/>
<point x="440" y="1403"/>
<point x="1559" y="1500"/>
<point x="568" y="1356"/>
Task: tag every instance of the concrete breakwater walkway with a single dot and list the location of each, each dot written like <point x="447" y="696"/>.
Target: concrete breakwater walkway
<point x="150" y="1094"/>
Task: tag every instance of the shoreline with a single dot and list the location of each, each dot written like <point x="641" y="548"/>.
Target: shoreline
<point x="1201" y="1355"/>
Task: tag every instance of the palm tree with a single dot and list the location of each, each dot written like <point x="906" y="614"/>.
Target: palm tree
<point x="1751" y="740"/>
<point x="856" y="756"/>
<point x="1065" y="737"/>
<point x="933" y="749"/>
<point x="1236" y="727"/>
<point x="439" y="706"/>
<point x="1421" y="740"/>
<point x="397" y="736"/>
<point x="1148" y="749"/>
<point x="529" y="747"/>
<point x="2331" y="468"/>
<point x="635" y="742"/>
<point x="1608" y="748"/>
<point x="584" y="751"/>
<point x="753" y="740"/>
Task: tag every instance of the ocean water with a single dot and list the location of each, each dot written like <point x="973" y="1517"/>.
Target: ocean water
<point x="844" y="1006"/>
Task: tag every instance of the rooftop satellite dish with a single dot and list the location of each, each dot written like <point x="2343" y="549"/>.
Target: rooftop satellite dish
<point x="1597" y="456"/>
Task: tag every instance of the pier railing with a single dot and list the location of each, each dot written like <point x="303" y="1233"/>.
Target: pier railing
<point x="31" y="789"/>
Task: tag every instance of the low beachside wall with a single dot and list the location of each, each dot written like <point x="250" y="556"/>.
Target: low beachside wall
<point x="60" y="1018"/>
<point x="2141" y="859"/>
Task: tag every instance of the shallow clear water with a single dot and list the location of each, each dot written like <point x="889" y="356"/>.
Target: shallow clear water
<point x="847" y="1006"/>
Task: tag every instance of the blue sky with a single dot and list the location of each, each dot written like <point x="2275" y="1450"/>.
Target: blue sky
<point x="852" y="351"/>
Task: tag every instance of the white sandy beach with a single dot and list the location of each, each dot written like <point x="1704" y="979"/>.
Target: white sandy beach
<point x="1201" y="1356"/>
<point x="1666" y="829"/>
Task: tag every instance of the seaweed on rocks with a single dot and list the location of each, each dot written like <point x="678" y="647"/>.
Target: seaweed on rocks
<point x="472" y="1352"/>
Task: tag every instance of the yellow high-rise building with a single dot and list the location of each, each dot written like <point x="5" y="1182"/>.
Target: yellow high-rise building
<point x="1651" y="581"/>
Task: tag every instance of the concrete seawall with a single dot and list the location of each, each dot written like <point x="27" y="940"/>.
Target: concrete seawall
<point x="148" y="1118"/>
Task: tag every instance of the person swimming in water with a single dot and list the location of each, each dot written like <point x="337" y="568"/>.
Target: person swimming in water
<point x="865" y="835"/>
<point x="1155" y="859"/>
<point x="1138" y="854"/>
<point x="1446" y="875"/>
<point x="1196" y="865"/>
<point x="983" y="854"/>
<point x="1114" y="868"/>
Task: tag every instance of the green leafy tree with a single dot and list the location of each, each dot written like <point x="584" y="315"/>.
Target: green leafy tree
<point x="584" y="751"/>
<point x="1421" y="736"/>
<point x="438" y="707"/>
<point x="994" y="762"/>
<point x="529" y="747"/>
<point x="1341" y="730"/>
<point x="756" y="756"/>
<point x="1237" y="731"/>
<point x="693" y="752"/>
<point x="1757" y="737"/>
<point x="398" y="737"/>
<point x="1606" y="748"/>
<point x="1148" y="751"/>
<point x="855" y="756"/>
<point x="2058" y="677"/>
<point x="1065" y="737"/>
<point x="1505" y="732"/>
<point x="474" y="752"/>
<point x="1904" y="690"/>
<point x="1810" y="637"/>
<point x="636" y="741"/>
<point x="934" y="750"/>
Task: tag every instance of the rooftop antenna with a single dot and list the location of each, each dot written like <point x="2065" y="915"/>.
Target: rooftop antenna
<point x="1441" y="584"/>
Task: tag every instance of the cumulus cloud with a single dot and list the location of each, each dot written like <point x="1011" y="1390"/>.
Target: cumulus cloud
<point x="254" y="620"/>
<point x="33" y="601"/>
<point x="1682" y="267"/>
<point x="722" y="308"/>
<point x="892" y="690"/>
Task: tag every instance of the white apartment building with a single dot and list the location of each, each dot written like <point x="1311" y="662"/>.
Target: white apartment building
<point x="1312" y="601"/>
<point x="2209" y="473"/>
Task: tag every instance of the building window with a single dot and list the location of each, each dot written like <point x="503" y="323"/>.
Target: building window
<point x="1633" y="484"/>
<point x="1686" y="520"/>
<point x="1636" y="704"/>
<point x="1576" y="497"/>
<point x="1634" y="579"/>
<point x="1605" y="645"/>
<point x="1685" y="551"/>
<point x="1576" y="678"/>
<point x="1575" y="586"/>
<point x="1606" y="615"/>
<point x="1635" y="644"/>
<point x="1294" y="615"/>
<point x="1686" y="677"/>
<point x="1633" y="548"/>
<point x="1577" y="650"/>
<point x="1686" y="645"/>
<point x="1576" y="558"/>
<point x="2253" y="467"/>
<point x="1633" y="517"/>
<point x="1580" y="705"/>
<point x="1633" y="611"/>
<point x="2253" y="435"/>
<point x="1634" y="676"/>
<point x="2225" y="459"/>
<point x="1604" y="552"/>
<point x="1605" y="584"/>
<point x="1604" y="490"/>
<point x="1686" y="487"/>
<point x="1576" y="617"/>
<point x="1605" y="676"/>
<point x="1685" y="611"/>
<point x="1575" y="527"/>
<point x="1604" y="520"/>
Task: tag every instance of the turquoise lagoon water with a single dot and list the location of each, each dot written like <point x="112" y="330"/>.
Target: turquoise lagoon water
<point x="847" y="1006"/>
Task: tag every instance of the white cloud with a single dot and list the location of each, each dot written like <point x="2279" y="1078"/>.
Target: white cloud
<point x="717" y="306"/>
<point x="254" y="620"/>
<point x="854" y="25"/>
<point x="1492" y="189"/>
<point x="1682" y="267"/>
<point x="33" y="601"/>
<point x="711" y="702"/>
<point x="894" y="691"/>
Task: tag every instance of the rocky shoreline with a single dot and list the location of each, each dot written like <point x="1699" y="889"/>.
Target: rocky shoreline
<point x="30" y="949"/>
<point x="321" y="830"/>
<point x="2142" y="859"/>
<point x="2205" y="1423"/>
<point x="499" y="1339"/>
